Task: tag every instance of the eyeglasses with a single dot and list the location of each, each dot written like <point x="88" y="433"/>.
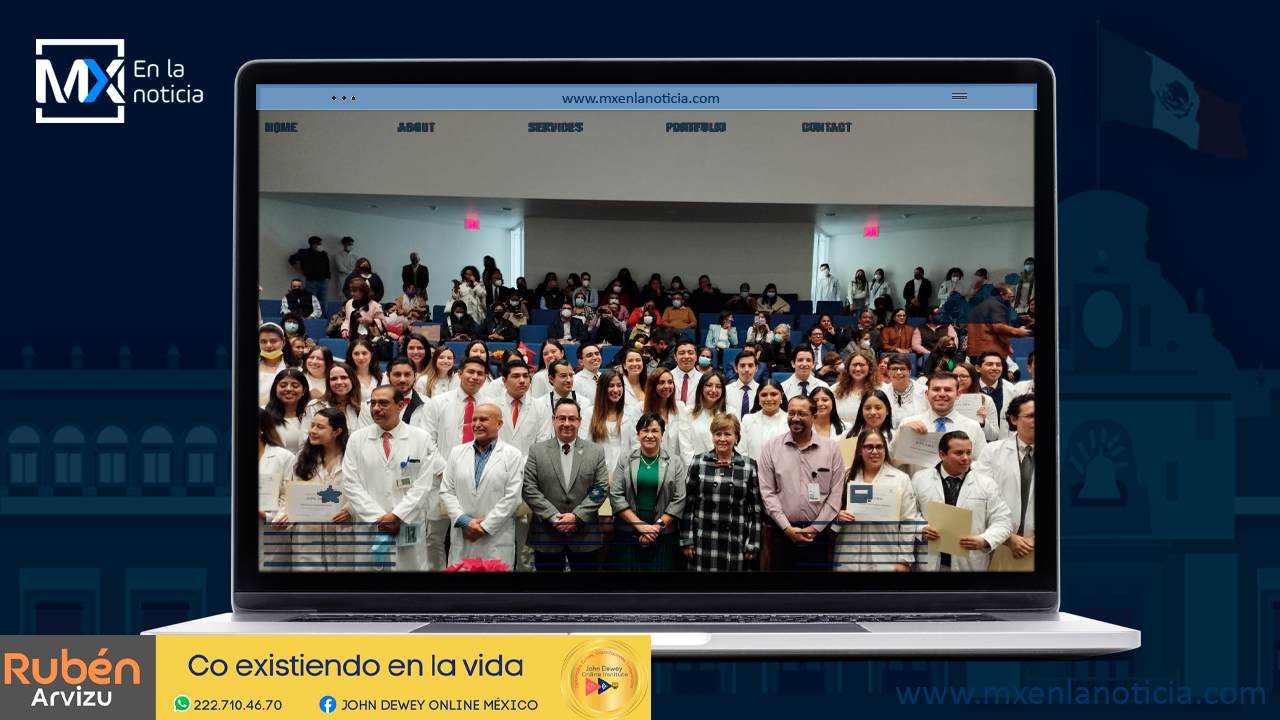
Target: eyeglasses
<point x="899" y="370"/>
<point x="873" y="448"/>
<point x="381" y="403"/>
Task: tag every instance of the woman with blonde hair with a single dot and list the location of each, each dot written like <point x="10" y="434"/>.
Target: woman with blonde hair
<point x="720" y="526"/>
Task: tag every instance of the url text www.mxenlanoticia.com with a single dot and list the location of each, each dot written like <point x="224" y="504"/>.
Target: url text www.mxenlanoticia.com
<point x="1140" y="693"/>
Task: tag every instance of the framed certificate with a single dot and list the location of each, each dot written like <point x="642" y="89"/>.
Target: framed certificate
<point x="874" y="503"/>
<point x="312" y="502"/>
<point x="915" y="448"/>
<point x="268" y="491"/>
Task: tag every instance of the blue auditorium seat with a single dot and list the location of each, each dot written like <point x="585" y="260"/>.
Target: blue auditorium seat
<point x="269" y="308"/>
<point x="799" y="307"/>
<point x="829" y="307"/>
<point x="533" y="335"/>
<point x="730" y="359"/>
<point x="543" y="317"/>
<point x="315" y="328"/>
<point x="1022" y="347"/>
<point x="335" y="307"/>
<point x="607" y="354"/>
<point x="915" y="322"/>
<point x="337" y="346"/>
<point x="437" y="313"/>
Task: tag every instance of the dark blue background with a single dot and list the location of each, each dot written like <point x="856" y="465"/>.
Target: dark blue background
<point x="121" y="235"/>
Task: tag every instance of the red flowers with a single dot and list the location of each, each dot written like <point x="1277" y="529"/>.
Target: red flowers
<point x="478" y="565"/>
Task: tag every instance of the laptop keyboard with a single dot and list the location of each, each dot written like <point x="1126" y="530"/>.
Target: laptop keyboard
<point x="646" y="619"/>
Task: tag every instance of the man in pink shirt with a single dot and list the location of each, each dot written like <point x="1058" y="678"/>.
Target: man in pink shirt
<point x="802" y="486"/>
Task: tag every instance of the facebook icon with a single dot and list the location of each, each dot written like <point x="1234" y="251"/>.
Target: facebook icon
<point x="328" y="704"/>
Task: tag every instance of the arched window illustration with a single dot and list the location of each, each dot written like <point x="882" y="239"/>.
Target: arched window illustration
<point x="113" y="456"/>
<point x="24" y="455"/>
<point x="202" y="453"/>
<point x="157" y="456"/>
<point x="68" y="456"/>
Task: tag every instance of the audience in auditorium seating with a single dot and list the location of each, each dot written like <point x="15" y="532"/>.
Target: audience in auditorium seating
<point x="697" y="436"/>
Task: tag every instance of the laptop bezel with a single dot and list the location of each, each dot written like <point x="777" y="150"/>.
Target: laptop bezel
<point x="621" y="591"/>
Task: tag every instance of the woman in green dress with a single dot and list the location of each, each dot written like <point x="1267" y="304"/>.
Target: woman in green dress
<point x="647" y="495"/>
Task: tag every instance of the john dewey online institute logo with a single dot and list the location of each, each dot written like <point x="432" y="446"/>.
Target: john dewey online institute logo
<point x="70" y="98"/>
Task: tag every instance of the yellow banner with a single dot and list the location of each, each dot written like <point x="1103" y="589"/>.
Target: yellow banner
<point x="487" y="676"/>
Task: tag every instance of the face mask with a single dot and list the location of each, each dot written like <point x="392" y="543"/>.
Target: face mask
<point x="704" y="361"/>
<point x="410" y="293"/>
<point x="499" y="312"/>
<point x="955" y="278"/>
<point x="617" y="288"/>
<point x="579" y="302"/>
<point x="295" y="291"/>
<point x="777" y="338"/>
<point x="675" y="285"/>
<point x="364" y="268"/>
<point x="866" y="343"/>
<point x="586" y="282"/>
<point x="272" y="355"/>
<point x="743" y="294"/>
<point x="1028" y="268"/>
<point x="514" y="302"/>
<point x="497" y="282"/>
<point x="566" y="313"/>
<point x="826" y="273"/>
<point x="676" y="303"/>
<point x="459" y="315"/>
<point x="772" y="294"/>
<point x="919" y="275"/>
<point x="879" y="276"/>
<point x="291" y="326"/>
<point x="648" y="319"/>
<point x="553" y="288"/>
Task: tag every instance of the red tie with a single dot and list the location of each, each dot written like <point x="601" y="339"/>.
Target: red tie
<point x="684" y="389"/>
<point x="467" y="435"/>
<point x="386" y="444"/>
<point x="515" y="413"/>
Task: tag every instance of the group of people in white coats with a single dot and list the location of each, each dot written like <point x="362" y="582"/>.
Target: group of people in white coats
<point x="433" y="461"/>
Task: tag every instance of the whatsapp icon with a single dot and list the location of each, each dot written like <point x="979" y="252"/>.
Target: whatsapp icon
<point x="182" y="703"/>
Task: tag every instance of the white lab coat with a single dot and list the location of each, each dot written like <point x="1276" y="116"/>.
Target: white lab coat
<point x="694" y="378"/>
<point x="265" y="380"/>
<point x="990" y="515"/>
<point x="534" y="423"/>
<point x="317" y="548"/>
<point x="791" y="387"/>
<point x="291" y="434"/>
<point x="539" y="385"/>
<point x="758" y="429"/>
<point x="439" y="387"/>
<point x="733" y="397"/>
<point x="847" y="407"/>
<point x="1026" y="387"/>
<point x="495" y="498"/>
<point x="914" y="404"/>
<point x="876" y="289"/>
<point x="1007" y="395"/>
<point x="674" y="439"/>
<point x="1000" y="462"/>
<point x="356" y="419"/>
<point x="699" y="436"/>
<point x="828" y="289"/>
<point x="584" y="383"/>
<point x="548" y="402"/>
<point x="277" y="461"/>
<point x="473" y="297"/>
<point x="371" y="479"/>
<point x="875" y="547"/>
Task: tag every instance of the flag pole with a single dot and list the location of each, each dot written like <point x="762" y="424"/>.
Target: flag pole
<point x="1097" y="124"/>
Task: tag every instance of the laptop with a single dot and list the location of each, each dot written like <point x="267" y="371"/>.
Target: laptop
<point x="758" y="174"/>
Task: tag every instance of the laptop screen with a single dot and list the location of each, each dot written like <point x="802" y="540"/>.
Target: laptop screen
<point x="608" y="328"/>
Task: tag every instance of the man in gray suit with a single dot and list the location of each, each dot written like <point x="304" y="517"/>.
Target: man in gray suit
<point x="566" y="480"/>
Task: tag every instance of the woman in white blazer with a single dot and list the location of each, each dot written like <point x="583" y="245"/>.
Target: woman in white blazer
<point x="707" y="403"/>
<point x="978" y="493"/>
<point x="766" y="420"/>
<point x="322" y="547"/>
<point x="494" y="498"/>
<point x="659" y="398"/>
<point x="275" y="466"/>
<point x="875" y="547"/>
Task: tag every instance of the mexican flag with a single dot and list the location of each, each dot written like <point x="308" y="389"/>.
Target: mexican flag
<point x="1140" y="89"/>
